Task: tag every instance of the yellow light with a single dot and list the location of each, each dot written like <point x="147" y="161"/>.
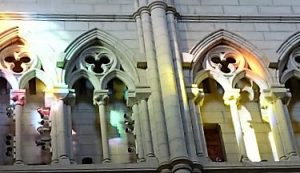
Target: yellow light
<point x="273" y="146"/>
<point x="249" y="135"/>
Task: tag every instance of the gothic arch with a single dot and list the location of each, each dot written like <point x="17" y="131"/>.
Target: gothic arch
<point x="232" y="40"/>
<point x="284" y="52"/>
<point x="11" y="36"/>
<point x="11" y="79"/>
<point x="84" y="74"/>
<point x="125" y="56"/>
<point x="252" y="76"/>
<point x="24" y="79"/>
<point x="202" y="75"/>
<point x="120" y="75"/>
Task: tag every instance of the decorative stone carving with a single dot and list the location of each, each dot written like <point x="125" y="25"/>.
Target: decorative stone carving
<point x="17" y="59"/>
<point x="224" y="59"/>
<point x="98" y="60"/>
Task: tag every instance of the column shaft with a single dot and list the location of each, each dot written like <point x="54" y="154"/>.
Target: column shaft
<point x="53" y="134"/>
<point x="18" y="133"/>
<point x="103" y="127"/>
<point x="62" y="132"/>
<point x="238" y="130"/>
<point x="168" y="82"/>
<point x="156" y="98"/>
<point x="145" y="124"/>
<point x="286" y="129"/>
<point x="184" y="107"/>
<point x="137" y="130"/>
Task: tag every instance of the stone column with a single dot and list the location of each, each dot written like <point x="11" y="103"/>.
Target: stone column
<point x="231" y="98"/>
<point x="169" y="88"/>
<point x="197" y="125"/>
<point x="100" y="99"/>
<point x="137" y="130"/>
<point x="269" y="115"/>
<point x="63" y="131"/>
<point x="53" y="135"/>
<point x="18" y="99"/>
<point x="145" y="127"/>
<point x="186" y="117"/>
<point x="158" y="117"/>
<point x="279" y="97"/>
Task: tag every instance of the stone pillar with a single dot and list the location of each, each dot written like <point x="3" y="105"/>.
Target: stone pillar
<point x="100" y="99"/>
<point x="62" y="129"/>
<point x="186" y="117"/>
<point x="137" y="130"/>
<point x="197" y="125"/>
<point x="231" y="98"/>
<point x="18" y="99"/>
<point x="53" y="135"/>
<point x="171" y="104"/>
<point x="145" y="128"/>
<point x="278" y="98"/>
<point x="158" y="117"/>
<point x="269" y="115"/>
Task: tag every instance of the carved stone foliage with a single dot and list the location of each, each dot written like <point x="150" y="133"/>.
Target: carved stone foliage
<point x="17" y="59"/>
<point x="224" y="59"/>
<point x="97" y="59"/>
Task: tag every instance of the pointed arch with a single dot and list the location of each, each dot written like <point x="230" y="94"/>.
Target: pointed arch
<point x="120" y="75"/>
<point x="41" y="75"/>
<point x="204" y="74"/>
<point x="252" y="54"/>
<point x="86" y="75"/>
<point x="284" y="51"/>
<point x="11" y="36"/>
<point x="252" y="76"/>
<point x="126" y="56"/>
<point x="11" y="79"/>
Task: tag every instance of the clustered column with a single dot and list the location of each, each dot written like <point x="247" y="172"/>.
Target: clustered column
<point x="18" y="99"/>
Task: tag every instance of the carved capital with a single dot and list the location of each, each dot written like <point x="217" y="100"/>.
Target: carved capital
<point x="267" y="97"/>
<point x="100" y="97"/>
<point x="231" y="95"/>
<point x="18" y="96"/>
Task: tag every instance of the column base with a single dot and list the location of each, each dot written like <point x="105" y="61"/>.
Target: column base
<point x="293" y="157"/>
<point x="106" y="160"/>
<point x="151" y="159"/>
<point x="54" y="161"/>
<point x="244" y="159"/>
<point x="19" y="162"/>
<point x="64" y="160"/>
<point x="141" y="160"/>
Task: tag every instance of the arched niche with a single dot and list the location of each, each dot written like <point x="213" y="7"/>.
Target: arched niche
<point x="86" y="138"/>
<point x="217" y="125"/>
<point x="255" y="129"/>
<point x="95" y="40"/>
<point x="31" y="120"/>
<point x="121" y="138"/>
<point x="254" y="59"/>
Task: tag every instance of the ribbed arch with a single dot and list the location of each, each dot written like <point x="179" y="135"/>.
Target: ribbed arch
<point x="120" y="75"/>
<point x="204" y="74"/>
